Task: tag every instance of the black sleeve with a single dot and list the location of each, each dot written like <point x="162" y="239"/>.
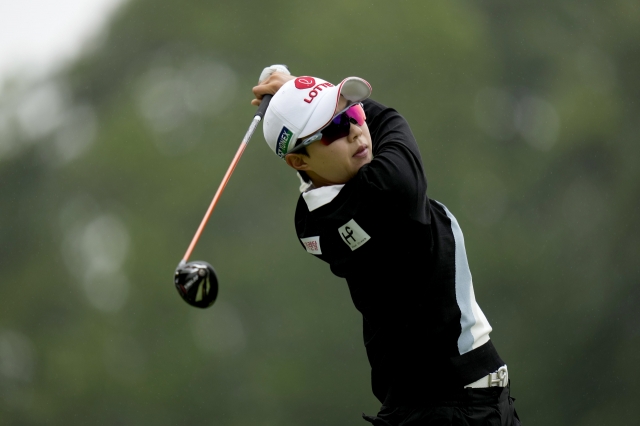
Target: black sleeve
<point x="396" y="168"/>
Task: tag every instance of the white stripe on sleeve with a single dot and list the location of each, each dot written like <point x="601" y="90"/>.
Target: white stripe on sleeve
<point x="474" y="326"/>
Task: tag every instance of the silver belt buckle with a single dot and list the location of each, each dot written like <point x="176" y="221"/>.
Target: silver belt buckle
<point x="500" y="378"/>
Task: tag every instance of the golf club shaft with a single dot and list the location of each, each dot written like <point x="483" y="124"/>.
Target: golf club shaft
<point x="245" y="141"/>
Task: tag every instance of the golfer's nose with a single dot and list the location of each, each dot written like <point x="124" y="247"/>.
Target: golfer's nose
<point x="354" y="132"/>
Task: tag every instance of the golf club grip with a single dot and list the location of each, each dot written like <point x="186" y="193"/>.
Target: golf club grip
<point x="263" y="106"/>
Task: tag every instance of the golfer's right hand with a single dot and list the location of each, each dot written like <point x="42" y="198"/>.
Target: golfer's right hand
<point x="270" y="86"/>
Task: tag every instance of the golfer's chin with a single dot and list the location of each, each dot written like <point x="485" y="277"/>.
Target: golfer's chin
<point x="360" y="160"/>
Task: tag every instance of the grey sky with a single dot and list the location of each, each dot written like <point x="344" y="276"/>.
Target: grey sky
<point x="36" y="36"/>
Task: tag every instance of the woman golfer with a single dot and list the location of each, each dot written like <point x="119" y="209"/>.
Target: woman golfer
<point x="364" y="210"/>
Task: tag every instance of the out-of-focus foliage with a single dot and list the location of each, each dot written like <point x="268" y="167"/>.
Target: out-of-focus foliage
<point x="527" y="117"/>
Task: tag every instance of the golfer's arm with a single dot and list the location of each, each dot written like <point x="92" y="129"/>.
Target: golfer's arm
<point x="397" y="165"/>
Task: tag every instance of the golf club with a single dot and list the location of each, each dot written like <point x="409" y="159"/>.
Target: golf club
<point x="196" y="281"/>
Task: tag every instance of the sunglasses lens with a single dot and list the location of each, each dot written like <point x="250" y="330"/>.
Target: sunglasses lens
<point x="339" y="128"/>
<point x="341" y="125"/>
<point x="356" y="112"/>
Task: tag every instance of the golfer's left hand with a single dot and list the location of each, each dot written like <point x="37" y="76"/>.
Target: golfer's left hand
<point x="270" y="86"/>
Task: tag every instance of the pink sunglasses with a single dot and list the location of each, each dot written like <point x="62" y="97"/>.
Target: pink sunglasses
<point x="338" y="128"/>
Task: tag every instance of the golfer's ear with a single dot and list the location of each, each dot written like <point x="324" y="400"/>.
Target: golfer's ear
<point x="297" y="161"/>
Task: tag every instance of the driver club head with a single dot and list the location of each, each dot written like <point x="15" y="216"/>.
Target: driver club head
<point x="197" y="283"/>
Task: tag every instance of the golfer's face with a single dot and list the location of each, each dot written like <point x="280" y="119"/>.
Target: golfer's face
<point x="339" y="161"/>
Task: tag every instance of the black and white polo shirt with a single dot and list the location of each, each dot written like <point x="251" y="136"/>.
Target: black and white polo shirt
<point x="404" y="260"/>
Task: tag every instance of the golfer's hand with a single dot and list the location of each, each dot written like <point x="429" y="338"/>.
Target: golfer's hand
<point x="270" y="86"/>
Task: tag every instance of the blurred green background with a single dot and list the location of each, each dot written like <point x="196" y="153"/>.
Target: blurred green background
<point x="527" y="117"/>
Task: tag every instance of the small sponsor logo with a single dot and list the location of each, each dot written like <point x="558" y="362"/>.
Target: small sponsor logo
<point x="305" y="82"/>
<point x="353" y="235"/>
<point x="313" y="93"/>
<point x="282" y="144"/>
<point x="312" y="244"/>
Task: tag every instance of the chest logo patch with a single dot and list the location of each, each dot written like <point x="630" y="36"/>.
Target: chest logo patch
<point x="353" y="235"/>
<point x="312" y="244"/>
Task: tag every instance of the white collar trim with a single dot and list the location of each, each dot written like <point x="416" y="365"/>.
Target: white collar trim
<point x="318" y="197"/>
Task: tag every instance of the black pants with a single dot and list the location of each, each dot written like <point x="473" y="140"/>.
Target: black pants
<point x="469" y="407"/>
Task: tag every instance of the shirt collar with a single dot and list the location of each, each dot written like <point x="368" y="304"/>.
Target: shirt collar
<point x="318" y="197"/>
